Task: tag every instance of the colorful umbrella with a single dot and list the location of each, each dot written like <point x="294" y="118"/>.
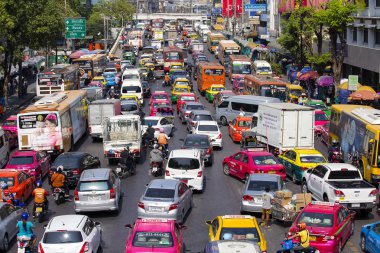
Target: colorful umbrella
<point x="344" y="85"/>
<point x="368" y="88"/>
<point x="305" y="69"/>
<point x="308" y="75"/>
<point x="77" y="54"/>
<point x="364" y="95"/>
<point x="325" y="81"/>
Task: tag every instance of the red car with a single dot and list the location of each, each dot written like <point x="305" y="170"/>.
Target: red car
<point x="155" y="104"/>
<point x="320" y="120"/>
<point x="10" y="124"/>
<point x="244" y="163"/>
<point x="330" y="225"/>
<point x="325" y="132"/>
<point x="186" y="97"/>
<point x="35" y="163"/>
<point x="12" y="139"/>
<point x="159" y="96"/>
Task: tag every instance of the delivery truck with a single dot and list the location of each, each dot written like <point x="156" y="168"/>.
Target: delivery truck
<point x="98" y="111"/>
<point x="286" y="125"/>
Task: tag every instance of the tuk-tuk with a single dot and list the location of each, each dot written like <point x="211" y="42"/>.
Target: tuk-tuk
<point x="130" y="56"/>
<point x="252" y="141"/>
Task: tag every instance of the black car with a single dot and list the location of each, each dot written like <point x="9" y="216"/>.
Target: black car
<point x="146" y="89"/>
<point x="73" y="164"/>
<point x="201" y="142"/>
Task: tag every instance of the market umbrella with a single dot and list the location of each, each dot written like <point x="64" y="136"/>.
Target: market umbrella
<point x="308" y="75"/>
<point x="344" y="85"/>
<point x="325" y="81"/>
<point x="368" y="88"/>
<point x="305" y="69"/>
<point x="77" y="54"/>
<point x="364" y="95"/>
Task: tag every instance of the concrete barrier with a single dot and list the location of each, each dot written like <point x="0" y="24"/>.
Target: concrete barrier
<point x="116" y="45"/>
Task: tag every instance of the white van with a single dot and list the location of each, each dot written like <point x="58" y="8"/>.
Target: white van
<point x="132" y="87"/>
<point x="229" y="108"/>
<point x="131" y="74"/>
<point x="4" y="149"/>
<point x="262" y="67"/>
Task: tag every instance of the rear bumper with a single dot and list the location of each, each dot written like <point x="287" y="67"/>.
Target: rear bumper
<point x="251" y="207"/>
<point x="362" y="206"/>
<point x="142" y="213"/>
<point x="92" y="206"/>
<point x="217" y="143"/>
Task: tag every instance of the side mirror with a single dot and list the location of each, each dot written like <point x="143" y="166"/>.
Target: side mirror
<point x="208" y="222"/>
<point x="128" y="226"/>
<point x="45" y="226"/>
<point x="98" y="224"/>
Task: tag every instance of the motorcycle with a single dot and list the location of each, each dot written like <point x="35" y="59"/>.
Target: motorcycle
<point x="165" y="152"/>
<point x="124" y="171"/>
<point x="156" y="168"/>
<point x="59" y="195"/>
<point x="288" y="247"/>
<point x="25" y="244"/>
<point x="40" y="212"/>
<point x="336" y="157"/>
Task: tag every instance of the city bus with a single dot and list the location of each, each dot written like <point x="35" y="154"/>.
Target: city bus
<point x="210" y="73"/>
<point x="90" y="65"/>
<point x="240" y="65"/>
<point x="172" y="54"/>
<point x="213" y="41"/>
<point x="225" y="49"/>
<point x="265" y="86"/>
<point x="357" y="129"/>
<point x="60" y="77"/>
<point x="54" y="123"/>
<point x="135" y="38"/>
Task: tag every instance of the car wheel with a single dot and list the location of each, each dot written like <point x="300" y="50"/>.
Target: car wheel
<point x="352" y="228"/>
<point x="304" y="188"/>
<point x="363" y="243"/>
<point x="226" y="169"/>
<point x="294" y="179"/>
<point x="340" y="247"/>
<point x="5" y="243"/>
<point x="246" y="178"/>
<point x="224" y="121"/>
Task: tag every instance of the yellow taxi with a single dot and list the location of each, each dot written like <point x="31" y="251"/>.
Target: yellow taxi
<point x="182" y="81"/>
<point x="297" y="161"/>
<point x="293" y="92"/>
<point x="177" y="90"/>
<point x="240" y="227"/>
<point x="176" y="66"/>
<point x="213" y="90"/>
<point x="149" y="65"/>
<point x="101" y="79"/>
<point x="130" y="97"/>
<point x="145" y="58"/>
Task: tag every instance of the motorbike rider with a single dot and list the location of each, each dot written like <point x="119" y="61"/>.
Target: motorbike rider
<point x="167" y="79"/>
<point x="25" y="227"/>
<point x="126" y="158"/>
<point x="334" y="147"/>
<point x="163" y="139"/>
<point x="58" y="180"/>
<point x="189" y="68"/>
<point x="303" y="234"/>
<point x="40" y="195"/>
<point x="149" y="134"/>
<point x="155" y="155"/>
<point x="150" y="74"/>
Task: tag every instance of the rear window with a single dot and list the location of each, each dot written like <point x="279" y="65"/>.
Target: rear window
<point x="19" y="160"/>
<point x="63" y="237"/>
<point x="208" y="128"/>
<point x="202" y="118"/>
<point x="197" y="142"/>
<point x="321" y="117"/>
<point x="153" y="240"/>
<point x="250" y="234"/>
<point x="131" y="77"/>
<point x="244" y="123"/>
<point x="10" y="181"/>
<point x="129" y="107"/>
<point x="67" y="161"/>
<point x="160" y="96"/>
<point x="184" y="163"/>
<point x="260" y="185"/>
<point x="131" y="89"/>
<point x="312" y="159"/>
<point x="185" y="98"/>
<point x="93" y="186"/>
<point x="10" y="123"/>
<point x="317" y="219"/>
<point x="264" y="160"/>
<point x="195" y="107"/>
<point x="345" y="175"/>
<point x="160" y="193"/>
<point x="146" y="122"/>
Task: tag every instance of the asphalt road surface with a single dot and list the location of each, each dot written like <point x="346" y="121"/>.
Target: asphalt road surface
<point x="221" y="196"/>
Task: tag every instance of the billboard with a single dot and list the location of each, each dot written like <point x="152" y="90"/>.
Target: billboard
<point x="228" y="9"/>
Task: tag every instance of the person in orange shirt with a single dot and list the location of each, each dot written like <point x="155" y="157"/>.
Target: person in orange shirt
<point x="40" y="195"/>
<point x="57" y="180"/>
<point x="163" y="139"/>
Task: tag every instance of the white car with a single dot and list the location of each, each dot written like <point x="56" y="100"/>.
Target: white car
<point x="211" y="129"/>
<point x="71" y="234"/>
<point x="187" y="166"/>
<point x="158" y="122"/>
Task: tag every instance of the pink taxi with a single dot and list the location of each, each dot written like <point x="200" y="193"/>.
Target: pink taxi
<point x="320" y="119"/>
<point x="160" y="96"/>
<point x="155" y="235"/>
<point x="155" y="104"/>
<point x="330" y="225"/>
<point x="10" y="124"/>
<point x="35" y="163"/>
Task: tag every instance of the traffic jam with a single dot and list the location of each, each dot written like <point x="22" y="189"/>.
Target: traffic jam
<point x="180" y="139"/>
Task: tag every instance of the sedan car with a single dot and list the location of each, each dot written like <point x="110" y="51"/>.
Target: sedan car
<point x="297" y="161"/>
<point x="254" y="188"/>
<point x="186" y="108"/>
<point x="370" y="238"/>
<point x="158" y="122"/>
<point x="211" y="129"/>
<point x="212" y="91"/>
<point x="10" y="124"/>
<point x="71" y="233"/>
<point x="330" y="225"/>
<point x="201" y="142"/>
<point x="10" y="215"/>
<point x="244" y="163"/>
<point x="195" y="116"/>
<point x="158" y="104"/>
<point x="35" y="163"/>
<point x="161" y="96"/>
<point x="165" y="198"/>
<point x="155" y="235"/>
<point x="74" y="163"/>
<point x="19" y="182"/>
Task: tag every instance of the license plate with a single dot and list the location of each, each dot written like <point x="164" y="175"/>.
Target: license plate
<point x="355" y="205"/>
<point x="21" y="250"/>
<point x="94" y="198"/>
<point x="312" y="238"/>
<point x="259" y="200"/>
<point x="38" y="209"/>
<point x="156" y="209"/>
<point x="272" y="172"/>
<point x="341" y="198"/>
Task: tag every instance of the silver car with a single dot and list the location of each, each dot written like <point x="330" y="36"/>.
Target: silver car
<point x="186" y="108"/>
<point x="9" y="217"/>
<point x="129" y="107"/>
<point x="97" y="190"/>
<point x="195" y="116"/>
<point x="254" y="189"/>
<point x="165" y="198"/>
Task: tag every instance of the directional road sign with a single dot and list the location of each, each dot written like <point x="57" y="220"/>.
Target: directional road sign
<point x="75" y="28"/>
<point x="255" y="7"/>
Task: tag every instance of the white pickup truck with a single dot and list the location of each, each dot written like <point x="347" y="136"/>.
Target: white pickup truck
<point x="340" y="183"/>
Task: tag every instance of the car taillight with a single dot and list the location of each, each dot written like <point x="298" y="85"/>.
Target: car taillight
<point x="76" y="195"/>
<point x="167" y="173"/>
<point x="76" y="172"/>
<point x="303" y="168"/>
<point x="173" y="206"/>
<point x="200" y="173"/>
<point x="328" y="237"/>
<point x="84" y="248"/>
<point x="193" y="123"/>
<point x="187" y="113"/>
<point x="247" y="198"/>
<point x="373" y="193"/>
<point x="41" y="250"/>
<point x="219" y="136"/>
<point x="338" y="193"/>
<point x="141" y="205"/>
<point x="209" y="151"/>
<point x="112" y="193"/>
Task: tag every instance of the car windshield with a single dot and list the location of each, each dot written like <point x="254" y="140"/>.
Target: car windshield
<point x="131" y="77"/>
<point x="146" y="122"/>
<point x="153" y="240"/>
<point x="187" y="98"/>
<point x="159" y="96"/>
<point x="67" y="162"/>
<point x="10" y="181"/>
<point x="181" y="90"/>
<point x="93" y="186"/>
<point x="314" y="219"/>
<point x="296" y="93"/>
<point x="195" y="107"/>
<point x="131" y="89"/>
<point x="129" y="107"/>
<point x="155" y="105"/>
<point x="321" y="117"/>
<point x="256" y="185"/>
<point x="62" y="237"/>
<point x="344" y="174"/>
<point x="160" y="193"/>
<point x="208" y="128"/>
<point x="241" y="68"/>
<point x="244" y="123"/>
<point x="312" y="159"/>
<point x="250" y="234"/>
<point x="264" y="160"/>
<point x="19" y="160"/>
<point x="183" y="163"/>
<point x="182" y="83"/>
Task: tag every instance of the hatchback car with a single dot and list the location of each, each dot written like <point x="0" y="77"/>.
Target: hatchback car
<point x="71" y="233"/>
<point x="211" y="129"/>
<point x="155" y="235"/>
<point x="254" y="188"/>
<point x="165" y="198"/>
<point x="195" y="116"/>
<point x="201" y="142"/>
<point x="10" y="124"/>
<point x="159" y="96"/>
<point x="10" y="215"/>
<point x="186" y="108"/>
<point x="35" y="163"/>
<point x="130" y="107"/>
<point x="186" y="166"/>
<point x="184" y="98"/>
<point x="97" y="190"/>
<point x="74" y="163"/>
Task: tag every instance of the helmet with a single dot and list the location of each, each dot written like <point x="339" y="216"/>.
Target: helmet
<point x="150" y="124"/>
<point x="155" y="146"/>
<point x="334" y="142"/>
<point x="303" y="94"/>
<point x="267" y="188"/>
<point x="24" y="216"/>
<point x="39" y="184"/>
<point x="161" y="130"/>
<point x="60" y="168"/>
<point x="301" y="226"/>
<point x="227" y="236"/>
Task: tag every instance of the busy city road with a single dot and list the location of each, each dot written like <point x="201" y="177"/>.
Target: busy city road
<point x="221" y="196"/>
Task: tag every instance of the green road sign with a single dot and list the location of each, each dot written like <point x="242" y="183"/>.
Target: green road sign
<point x="75" y="28"/>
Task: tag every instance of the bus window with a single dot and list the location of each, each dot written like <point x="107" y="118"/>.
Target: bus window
<point x="214" y="72"/>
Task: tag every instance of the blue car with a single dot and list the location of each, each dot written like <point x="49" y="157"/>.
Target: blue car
<point x="370" y="238"/>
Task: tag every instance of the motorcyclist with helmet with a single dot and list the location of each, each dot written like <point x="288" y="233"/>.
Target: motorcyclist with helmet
<point x="126" y="158"/>
<point x="167" y="79"/>
<point x="25" y="229"/>
<point x="58" y="180"/>
<point x="40" y="196"/>
<point x="303" y="234"/>
<point x="149" y="134"/>
<point x="163" y="139"/>
<point x="156" y="155"/>
<point x="334" y="147"/>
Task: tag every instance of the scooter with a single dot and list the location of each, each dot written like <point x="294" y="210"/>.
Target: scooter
<point x="123" y="171"/>
<point x="288" y="247"/>
<point x="336" y="157"/>
<point x="59" y="195"/>
<point x="25" y="244"/>
<point x="40" y="212"/>
<point x="156" y="168"/>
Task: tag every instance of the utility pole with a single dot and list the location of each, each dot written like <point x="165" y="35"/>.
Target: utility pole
<point x="234" y="20"/>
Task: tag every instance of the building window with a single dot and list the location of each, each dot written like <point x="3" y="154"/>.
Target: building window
<point x="365" y="35"/>
<point x="377" y="3"/>
<point x="354" y="34"/>
<point x="366" y="2"/>
<point x="377" y="37"/>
